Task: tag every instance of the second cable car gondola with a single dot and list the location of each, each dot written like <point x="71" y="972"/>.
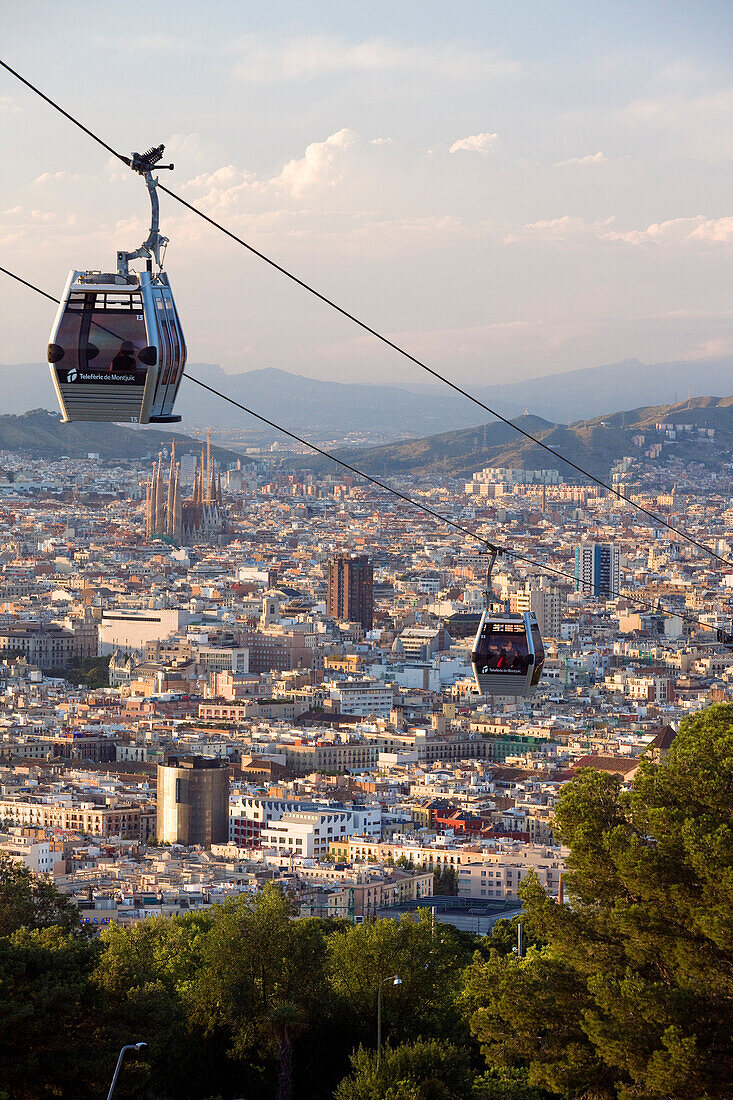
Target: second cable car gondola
<point x="116" y="349"/>
<point x="508" y="655"/>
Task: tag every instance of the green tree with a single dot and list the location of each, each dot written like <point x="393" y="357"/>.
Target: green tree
<point x="90" y="672"/>
<point x="503" y="937"/>
<point x="636" y="979"/>
<point x="445" y="880"/>
<point x="29" y="901"/>
<point x="264" y="978"/>
<point x="429" y="960"/>
<point x="527" y="1015"/>
<point x="507" y="1084"/>
<point x="425" y="1070"/>
<point x="50" y="1041"/>
<point x="148" y="976"/>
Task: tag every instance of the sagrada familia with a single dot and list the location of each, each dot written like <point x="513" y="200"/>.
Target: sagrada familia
<point x="200" y="517"/>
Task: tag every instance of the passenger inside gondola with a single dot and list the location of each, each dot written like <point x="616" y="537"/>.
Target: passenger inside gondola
<point x="505" y="658"/>
<point x="124" y="359"/>
<point x="501" y="653"/>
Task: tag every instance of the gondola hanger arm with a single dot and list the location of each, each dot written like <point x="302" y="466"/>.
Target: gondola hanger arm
<point x="493" y="552"/>
<point x="155" y="243"/>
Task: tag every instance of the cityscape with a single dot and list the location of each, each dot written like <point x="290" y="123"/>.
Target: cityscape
<point x="389" y="761"/>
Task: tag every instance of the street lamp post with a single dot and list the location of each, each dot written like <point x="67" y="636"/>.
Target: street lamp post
<point x="395" y="980"/>
<point x="118" y="1067"/>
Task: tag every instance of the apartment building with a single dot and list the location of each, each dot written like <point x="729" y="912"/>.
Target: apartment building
<point x="494" y="750"/>
<point x="50" y="646"/>
<point x="422" y="642"/>
<point x="306" y="833"/>
<point x="282" y="709"/>
<point x="351" y="589"/>
<point x="124" y="820"/>
<point x="278" y="651"/>
<point x="498" y="875"/>
<point x="330" y="756"/>
<point x="349" y="894"/>
<point x="542" y="599"/>
<point x="34" y="853"/>
<point x="224" y="658"/>
<point x="597" y="569"/>
<point x="250" y="814"/>
<point x="361" y="697"/>
<point x="505" y="863"/>
<point x="363" y="849"/>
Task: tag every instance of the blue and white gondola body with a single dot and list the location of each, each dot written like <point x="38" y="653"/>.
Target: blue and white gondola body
<point x="508" y="655"/>
<point x="116" y="349"/>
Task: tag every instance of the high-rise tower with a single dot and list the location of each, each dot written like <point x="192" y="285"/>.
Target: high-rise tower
<point x="351" y="589"/>
<point x="597" y="570"/>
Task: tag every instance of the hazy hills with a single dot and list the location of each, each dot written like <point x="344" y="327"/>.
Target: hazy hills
<point x="42" y="434"/>
<point x="303" y="404"/>
<point x="594" y="444"/>
<point x="409" y="407"/>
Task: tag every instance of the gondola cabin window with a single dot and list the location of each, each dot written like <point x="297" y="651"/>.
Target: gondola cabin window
<point x="103" y="333"/>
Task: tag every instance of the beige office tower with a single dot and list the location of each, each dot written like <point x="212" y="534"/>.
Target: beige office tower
<point x="193" y="800"/>
<point x="544" y="600"/>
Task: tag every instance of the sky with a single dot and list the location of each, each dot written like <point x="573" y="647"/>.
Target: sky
<point x="509" y="189"/>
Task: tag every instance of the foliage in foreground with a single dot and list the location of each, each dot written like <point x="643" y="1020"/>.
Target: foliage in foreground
<point x="633" y="995"/>
<point x="626" y="994"/>
<point x="425" y="1070"/>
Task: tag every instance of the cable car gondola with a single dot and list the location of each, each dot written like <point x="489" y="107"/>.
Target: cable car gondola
<point x="508" y="654"/>
<point x="116" y="350"/>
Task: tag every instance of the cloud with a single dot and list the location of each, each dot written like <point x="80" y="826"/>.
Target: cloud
<point x="51" y="177"/>
<point x="324" y="165"/>
<point x="719" y="230"/>
<point x="561" y="229"/>
<point x="188" y="149"/>
<point x="8" y="105"/>
<point x="475" y="143"/>
<point x="591" y="158"/>
<point x="669" y="232"/>
<point x="316" y="56"/>
<point x="679" y="230"/>
<point x="670" y="110"/>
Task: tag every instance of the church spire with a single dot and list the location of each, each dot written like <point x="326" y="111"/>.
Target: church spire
<point x="177" y="508"/>
<point x="209" y="470"/>
<point x="148" y="508"/>
<point x="170" y="497"/>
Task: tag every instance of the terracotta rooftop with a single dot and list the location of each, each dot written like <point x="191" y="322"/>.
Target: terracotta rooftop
<point x="664" y="739"/>
<point x="614" y="765"/>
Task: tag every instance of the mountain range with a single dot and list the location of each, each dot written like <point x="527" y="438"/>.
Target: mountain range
<point x="407" y="408"/>
<point x="593" y="444"/>
<point x="42" y="434"/>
